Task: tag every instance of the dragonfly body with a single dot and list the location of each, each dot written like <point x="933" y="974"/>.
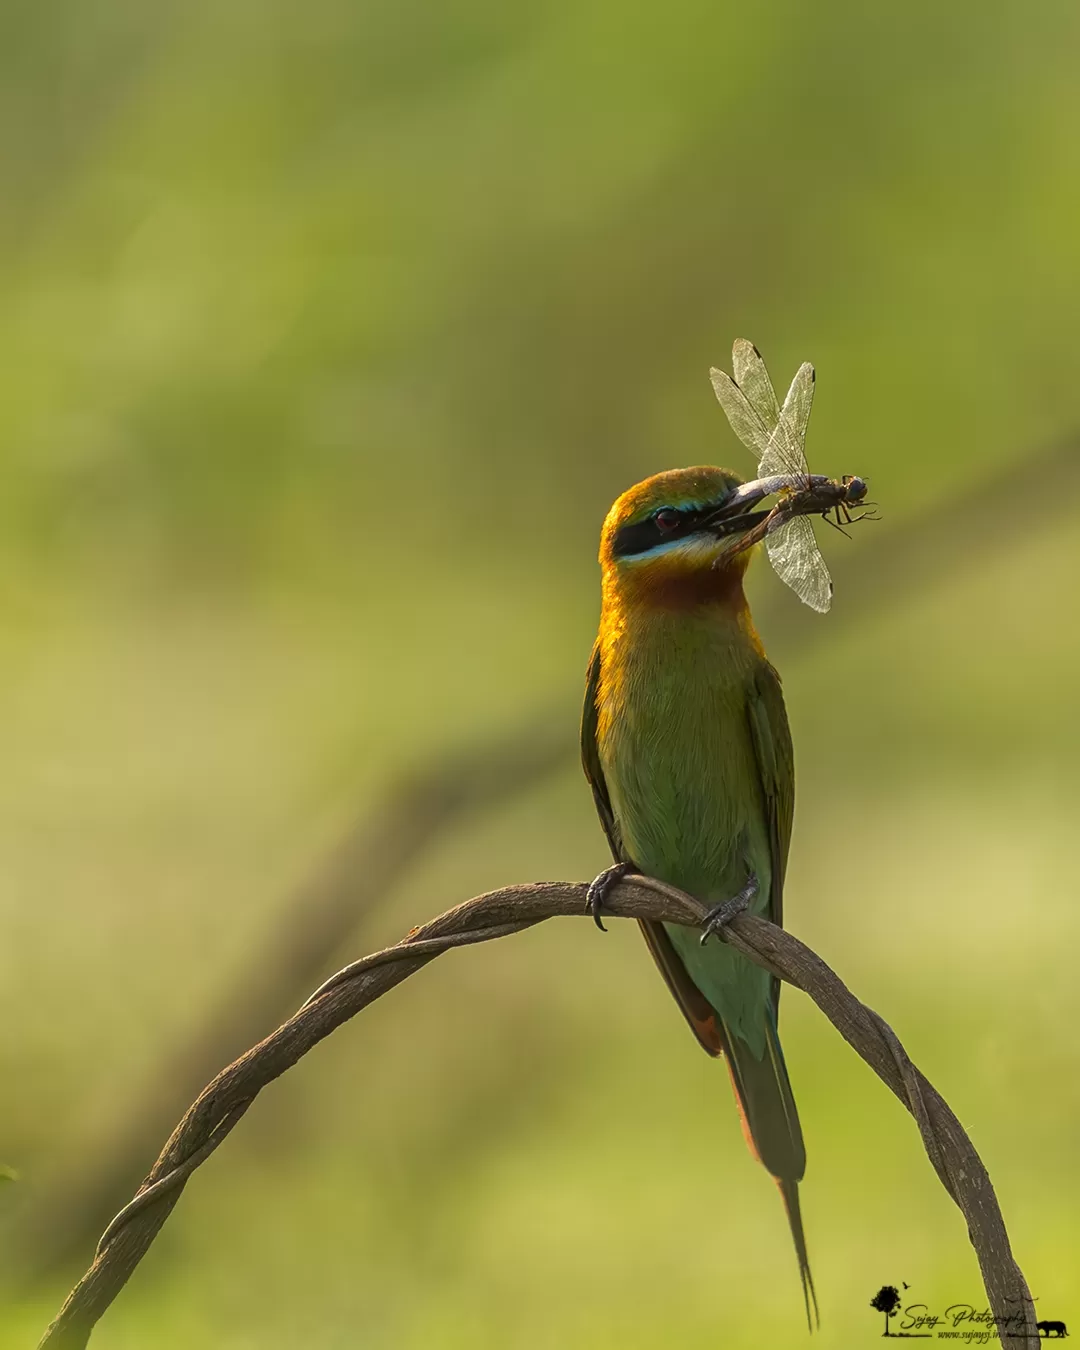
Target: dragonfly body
<point x="822" y="496"/>
<point x="811" y="488"/>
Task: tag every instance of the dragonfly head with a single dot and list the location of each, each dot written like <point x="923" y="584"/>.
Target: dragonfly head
<point x="856" y="489"/>
<point x="674" y="538"/>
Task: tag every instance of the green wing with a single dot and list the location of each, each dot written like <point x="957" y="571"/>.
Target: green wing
<point x="695" y="1007"/>
<point x="771" y="738"/>
<point x="590" y="758"/>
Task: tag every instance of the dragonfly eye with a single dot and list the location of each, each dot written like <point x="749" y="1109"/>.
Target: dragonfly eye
<point x="856" y="489"/>
<point x="667" y="520"/>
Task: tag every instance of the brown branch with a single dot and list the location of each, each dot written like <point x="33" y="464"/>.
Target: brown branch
<point x="497" y="914"/>
<point x="890" y="563"/>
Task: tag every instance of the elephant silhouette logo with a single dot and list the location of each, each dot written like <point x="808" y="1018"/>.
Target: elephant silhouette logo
<point x="1048" y="1329"/>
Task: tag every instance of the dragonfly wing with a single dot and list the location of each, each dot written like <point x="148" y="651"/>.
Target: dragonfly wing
<point x="787" y="452"/>
<point x="796" y="559"/>
<point x="752" y="377"/>
<point x="745" y="422"/>
<point x="800" y="399"/>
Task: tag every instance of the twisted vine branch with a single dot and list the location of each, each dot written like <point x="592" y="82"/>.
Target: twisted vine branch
<point x="892" y="565"/>
<point x="499" y="913"/>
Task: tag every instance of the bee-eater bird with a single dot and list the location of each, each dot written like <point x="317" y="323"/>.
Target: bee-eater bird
<point x="685" y="743"/>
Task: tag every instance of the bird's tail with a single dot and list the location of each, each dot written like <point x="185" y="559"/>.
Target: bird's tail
<point x="771" y="1126"/>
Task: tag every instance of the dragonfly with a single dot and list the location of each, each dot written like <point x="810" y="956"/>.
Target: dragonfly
<point x="777" y="435"/>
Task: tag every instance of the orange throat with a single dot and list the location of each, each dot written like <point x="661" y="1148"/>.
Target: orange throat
<point x="674" y="584"/>
<point x="667" y="589"/>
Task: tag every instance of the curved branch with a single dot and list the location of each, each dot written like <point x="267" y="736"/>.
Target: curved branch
<point x="221" y="1104"/>
<point x="423" y="806"/>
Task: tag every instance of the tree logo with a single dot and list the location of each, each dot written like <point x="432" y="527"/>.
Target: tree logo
<point x="887" y="1301"/>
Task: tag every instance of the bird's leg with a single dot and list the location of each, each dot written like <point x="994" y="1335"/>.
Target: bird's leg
<point x="600" y="887"/>
<point x="725" y="911"/>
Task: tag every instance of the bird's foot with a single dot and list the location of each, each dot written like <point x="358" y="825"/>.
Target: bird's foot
<point x="600" y="888"/>
<point x="722" y="914"/>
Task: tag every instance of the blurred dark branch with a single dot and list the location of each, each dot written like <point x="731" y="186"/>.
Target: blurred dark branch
<point x="498" y="914"/>
<point x="55" y="1228"/>
<point x="889" y="563"/>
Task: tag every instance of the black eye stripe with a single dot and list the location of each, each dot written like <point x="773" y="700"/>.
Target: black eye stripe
<point x="646" y="534"/>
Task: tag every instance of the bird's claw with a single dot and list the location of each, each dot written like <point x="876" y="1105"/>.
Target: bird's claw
<point x="722" y="914"/>
<point x="600" y="887"/>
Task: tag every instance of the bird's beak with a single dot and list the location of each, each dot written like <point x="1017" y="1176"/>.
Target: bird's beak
<point x="737" y="514"/>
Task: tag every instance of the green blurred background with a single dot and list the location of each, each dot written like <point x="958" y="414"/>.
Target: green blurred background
<point x="328" y="334"/>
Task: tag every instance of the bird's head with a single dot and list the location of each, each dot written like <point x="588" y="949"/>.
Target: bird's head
<point x="676" y="539"/>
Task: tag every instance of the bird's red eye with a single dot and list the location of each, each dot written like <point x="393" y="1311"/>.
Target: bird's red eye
<point x="666" y="519"/>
